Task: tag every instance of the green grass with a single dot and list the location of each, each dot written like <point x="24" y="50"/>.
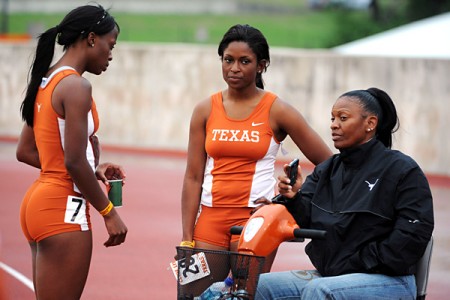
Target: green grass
<point x="310" y="31"/>
<point x="305" y="29"/>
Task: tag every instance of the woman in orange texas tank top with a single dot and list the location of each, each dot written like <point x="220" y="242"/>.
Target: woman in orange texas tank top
<point x="233" y="142"/>
<point x="241" y="155"/>
<point x="58" y="138"/>
<point x="67" y="210"/>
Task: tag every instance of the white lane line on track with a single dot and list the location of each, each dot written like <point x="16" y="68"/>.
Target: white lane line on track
<point x="19" y="276"/>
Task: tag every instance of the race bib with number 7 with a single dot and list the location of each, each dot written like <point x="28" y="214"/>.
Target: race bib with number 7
<point x="76" y="212"/>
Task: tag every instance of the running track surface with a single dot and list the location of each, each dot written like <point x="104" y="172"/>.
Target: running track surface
<point x="138" y="269"/>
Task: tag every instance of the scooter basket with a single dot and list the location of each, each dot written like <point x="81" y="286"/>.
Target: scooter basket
<point x="244" y="268"/>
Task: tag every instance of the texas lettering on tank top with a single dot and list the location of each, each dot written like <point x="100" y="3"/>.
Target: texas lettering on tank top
<point x="241" y="156"/>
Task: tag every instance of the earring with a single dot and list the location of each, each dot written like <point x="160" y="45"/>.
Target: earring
<point x="92" y="45"/>
<point x="369" y="129"/>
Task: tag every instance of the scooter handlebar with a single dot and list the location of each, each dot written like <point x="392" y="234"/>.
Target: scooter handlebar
<point x="310" y="233"/>
<point x="298" y="232"/>
<point x="237" y="230"/>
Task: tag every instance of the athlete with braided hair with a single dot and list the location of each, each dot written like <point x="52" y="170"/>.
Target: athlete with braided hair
<point x="58" y="137"/>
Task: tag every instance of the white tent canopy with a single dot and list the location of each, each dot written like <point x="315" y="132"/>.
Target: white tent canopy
<point x="427" y="38"/>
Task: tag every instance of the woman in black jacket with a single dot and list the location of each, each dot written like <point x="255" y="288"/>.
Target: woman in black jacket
<point x="374" y="202"/>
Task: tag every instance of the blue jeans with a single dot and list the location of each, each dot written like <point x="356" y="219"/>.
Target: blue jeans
<point x="311" y="286"/>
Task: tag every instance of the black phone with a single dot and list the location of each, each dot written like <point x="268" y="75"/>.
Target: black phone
<point x="292" y="171"/>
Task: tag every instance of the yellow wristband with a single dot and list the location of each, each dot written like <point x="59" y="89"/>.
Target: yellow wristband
<point x="107" y="209"/>
<point x="189" y="244"/>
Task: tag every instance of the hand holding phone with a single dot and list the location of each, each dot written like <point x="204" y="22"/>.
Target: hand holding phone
<point x="292" y="171"/>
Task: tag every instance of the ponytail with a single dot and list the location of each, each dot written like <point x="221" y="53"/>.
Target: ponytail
<point x="77" y="24"/>
<point x="389" y="122"/>
<point x="43" y="58"/>
<point x="378" y="103"/>
<point x="254" y="39"/>
<point x="259" y="81"/>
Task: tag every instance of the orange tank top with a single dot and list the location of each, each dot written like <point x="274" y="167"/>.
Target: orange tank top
<point x="48" y="128"/>
<point x="241" y="156"/>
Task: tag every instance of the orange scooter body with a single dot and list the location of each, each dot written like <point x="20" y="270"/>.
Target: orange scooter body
<point x="266" y="229"/>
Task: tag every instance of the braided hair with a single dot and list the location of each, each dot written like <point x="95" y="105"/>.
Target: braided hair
<point x="77" y="24"/>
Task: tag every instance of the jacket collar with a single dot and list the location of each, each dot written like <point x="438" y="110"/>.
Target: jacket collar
<point x="353" y="157"/>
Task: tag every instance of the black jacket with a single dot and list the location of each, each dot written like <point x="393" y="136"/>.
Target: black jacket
<point x="376" y="206"/>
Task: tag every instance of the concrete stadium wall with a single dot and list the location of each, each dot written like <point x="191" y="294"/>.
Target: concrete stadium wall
<point x="146" y="97"/>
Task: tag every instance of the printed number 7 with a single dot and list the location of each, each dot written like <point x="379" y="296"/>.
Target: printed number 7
<point x="80" y="202"/>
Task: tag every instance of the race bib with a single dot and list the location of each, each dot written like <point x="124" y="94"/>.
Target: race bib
<point x="76" y="212"/>
<point x="191" y="268"/>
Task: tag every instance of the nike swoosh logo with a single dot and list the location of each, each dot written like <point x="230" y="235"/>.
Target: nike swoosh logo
<point x="257" y="124"/>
